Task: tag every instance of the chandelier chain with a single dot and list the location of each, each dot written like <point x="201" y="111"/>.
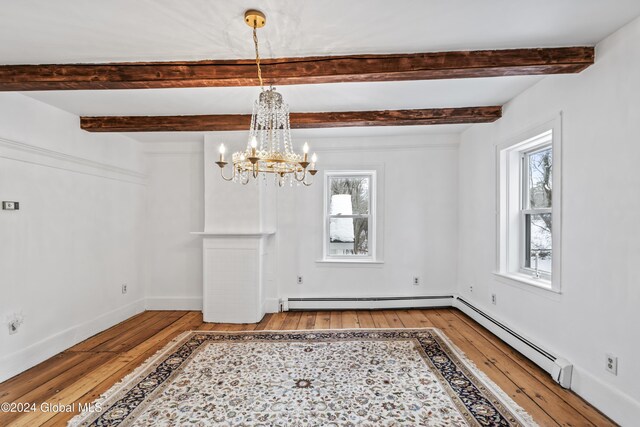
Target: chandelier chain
<point x="255" y="42"/>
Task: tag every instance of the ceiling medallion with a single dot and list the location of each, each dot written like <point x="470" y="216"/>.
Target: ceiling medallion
<point x="269" y="149"/>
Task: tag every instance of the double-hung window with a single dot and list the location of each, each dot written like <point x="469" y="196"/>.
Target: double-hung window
<point x="349" y="228"/>
<point x="536" y="212"/>
<point x="529" y="208"/>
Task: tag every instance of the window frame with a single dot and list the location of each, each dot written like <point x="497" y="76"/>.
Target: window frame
<point x="525" y="209"/>
<point x="372" y="230"/>
<point x="510" y="200"/>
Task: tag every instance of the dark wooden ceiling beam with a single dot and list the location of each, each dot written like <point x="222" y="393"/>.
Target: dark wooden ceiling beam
<point x="230" y="122"/>
<point x="287" y="71"/>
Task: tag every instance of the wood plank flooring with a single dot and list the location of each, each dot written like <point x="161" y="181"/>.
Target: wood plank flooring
<point x="81" y="373"/>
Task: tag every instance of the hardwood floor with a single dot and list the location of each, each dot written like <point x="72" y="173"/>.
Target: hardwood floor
<point x="81" y="373"/>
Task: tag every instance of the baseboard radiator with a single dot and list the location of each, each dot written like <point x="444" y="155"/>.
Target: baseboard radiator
<point x="559" y="368"/>
<point x="369" y="303"/>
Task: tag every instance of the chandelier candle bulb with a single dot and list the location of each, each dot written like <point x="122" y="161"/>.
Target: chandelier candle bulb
<point x="314" y="159"/>
<point x="254" y="145"/>
<point x="222" y="150"/>
<point x="305" y="150"/>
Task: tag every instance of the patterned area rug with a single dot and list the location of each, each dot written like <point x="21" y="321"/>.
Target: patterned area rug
<point x="382" y="377"/>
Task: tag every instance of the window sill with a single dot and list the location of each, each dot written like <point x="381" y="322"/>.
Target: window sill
<point x="527" y="280"/>
<point x="349" y="261"/>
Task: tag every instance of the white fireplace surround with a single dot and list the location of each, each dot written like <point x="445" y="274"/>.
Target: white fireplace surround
<point x="233" y="276"/>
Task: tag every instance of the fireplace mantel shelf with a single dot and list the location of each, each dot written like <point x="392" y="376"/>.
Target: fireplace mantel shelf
<point x="234" y="233"/>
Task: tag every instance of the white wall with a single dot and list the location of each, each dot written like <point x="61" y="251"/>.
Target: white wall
<point x="77" y="236"/>
<point x="417" y="192"/>
<point x="597" y="311"/>
<point x="175" y="209"/>
<point x="418" y="187"/>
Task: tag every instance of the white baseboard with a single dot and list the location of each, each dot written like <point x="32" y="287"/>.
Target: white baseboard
<point x="271" y="305"/>
<point x="620" y="407"/>
<point x="19" y="361"/>
<point x="368" y="303"/>
<point x="174" y="303"/>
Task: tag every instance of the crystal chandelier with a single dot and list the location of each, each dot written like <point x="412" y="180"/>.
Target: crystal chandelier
<point x="269" y="149"/>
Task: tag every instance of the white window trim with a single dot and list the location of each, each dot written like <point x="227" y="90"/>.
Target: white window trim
<point x="509" y="250"/>
<point x="373" y="189"/>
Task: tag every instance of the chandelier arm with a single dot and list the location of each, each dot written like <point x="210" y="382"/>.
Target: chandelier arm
<point x="233" y="175"/>
<point x="301" y="179"/>
<point x="308" y="184"/>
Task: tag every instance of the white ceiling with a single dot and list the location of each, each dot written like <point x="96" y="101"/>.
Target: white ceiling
<point x="62" y="31"/>
<point x="67" y="31"/>
<point x="316" y="137"/>
<point x="319" y="97"/>
<point x="301" y="98"/>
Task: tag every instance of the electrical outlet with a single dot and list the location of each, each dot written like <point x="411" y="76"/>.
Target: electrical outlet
<point x="300" y="281"/>
<point x="470" y="288"/>
<point x="14" y="322"/>
<point x="13" y="327"/>
<point x="10" y="206"/>
<point x="493" y="299"/>
<point x="124" y="288"/>
<point x="612" y="364"/>
<point x="416" y="281"/>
